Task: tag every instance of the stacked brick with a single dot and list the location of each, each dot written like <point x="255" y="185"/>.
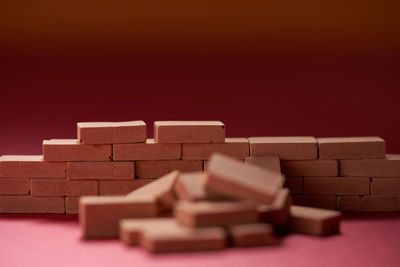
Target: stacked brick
<point x="349" y="174"/>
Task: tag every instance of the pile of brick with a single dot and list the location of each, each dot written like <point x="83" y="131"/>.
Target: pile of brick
<point x="349" y="174"/>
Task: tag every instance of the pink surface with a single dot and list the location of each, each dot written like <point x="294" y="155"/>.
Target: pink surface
<point x="54" y="240"/>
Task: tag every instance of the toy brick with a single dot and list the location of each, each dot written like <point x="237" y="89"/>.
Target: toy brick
<point x="30" y="167"/>
<point x="147" y="151"/>
<point x="48" y="187"/>
<point x="207" y="213"/>
<point x="189" y="132"/>
<point x="130" y="230"/>
<point x="313" y="221"/>
<point x="162" y="190"/>
<point x="190" y="187"/>
<point x="248" y="235"/>
<point x="112" y="132"/>
<point x="72" y="150"/>
<point x="388" y="167"/>
<point x="383" y="202"/>
<point x="233" y="147"/>
<point x="172" y="237"/>
<point x="271" y="163"/>
<point x="383" y="185"/>
<point x="232" y="178"/>
<point x="99" y="215"/>
<point x="316" y="201"/>
<point x="294" y="183"/>
<point x="336" y="185"/>
<point x="29" y="204"/>
<point x="14" y="186"/>
<point x="82" y="187"/>
<point x="123" y="187"/>
<point x="101" y="170"/>
<point x="286" y="148"/>
<point x="72" y="205"/>
<point x="157" y="168"/>
<point x="351" y="148"/>
<point x="318" y="167"/>
<point x="278" y="211"/>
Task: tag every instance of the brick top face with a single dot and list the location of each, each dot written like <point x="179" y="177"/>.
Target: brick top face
<point x="283" y="140"/>
<point x="28" y="158"/>
<point x="61" y="142"/>
<point x="188" y="123"/>
<point x="366" y="139"/>
<point x="110" y="124"/>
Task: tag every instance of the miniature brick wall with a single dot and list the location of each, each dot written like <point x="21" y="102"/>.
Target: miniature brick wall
<point x="349" y="174"/>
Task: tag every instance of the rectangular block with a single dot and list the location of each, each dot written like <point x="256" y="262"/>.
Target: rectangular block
<point x="390" y="202"/>
<point x="294" y="183"/>
<point x="72" y="150"/>
<point x="383" y="185"/>
<point x="101" y="170"/>
<point x="278" y="211"/>
<point x="48" y="187"/>
<point x="162" y="190"/>
<point x="72" y="205"/>
<point x="286" y="148"/>
<point x="30" y="167"/>
<point x="320" y="167"/>
<point x="82" y="188"/>
<point x="249" y="235"/>
<point x="99" y="216"/>
<point x="157" y="168"/>
<point x="388" y="167"/>
<point x="336" y="185"/>
<point x="123" y="187"/>
<point x="233" y="147"/>
<point x="232" y="178"/>
<point x="189" y="132"/>
<point x="207" y="213"/>
<point x="172" y="237"/>
<point x="351" y="148"/>
<point x="323" y="202"/>
<point x="14" y="186"/>
<point x="147" y="151"/>
<point x="190" y="187"/>
<point x="313" y="221"/>
<point x="28" y="204"/>
<point x="271" y="163"/>
<point x="112" y="132"/>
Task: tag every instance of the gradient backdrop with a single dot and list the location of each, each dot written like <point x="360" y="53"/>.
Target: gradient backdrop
<point x="262" y="67"/>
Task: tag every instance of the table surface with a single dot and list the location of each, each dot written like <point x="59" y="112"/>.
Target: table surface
<point x="369" y="239"/>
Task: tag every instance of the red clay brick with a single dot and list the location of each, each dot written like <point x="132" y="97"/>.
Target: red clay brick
<point x="190" y="187"/>
<point x="389" y="202"/>
<point x="232" y="178"/>
<point x="388" y="167"/>
<point x="48" y="187"/>
<point x="112" y="132"/>
<point x="14" y="186"/>
<point x="189" y="132"/>
<point x="29" y="204"/>
<point x="72" y="205"/>
<point x="271" y="163"/>
<point x="233" y="147"/>
<point x="82" y="187"/>
<point x="384" y="185"/>
<point x="351" y="148"/>
<point x="101" y="170"/>
<point x="147" y="151"/>
<point x="30" y="167"/>
<point x="278" y="211"/>
<point x="207" y="213"/>
<point x="294" y="183"/>
<point x="72" y="150"/>
<point x="286" y="148"/>
<point x="313" y="221"/>
<point x="310" y="167"/>
<point x="323" y="202"/>
<point x="248" y="235"/>
<point x="123" y="187"/>
<point x="157" y="168"/>
<point x="336" y="185"/>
